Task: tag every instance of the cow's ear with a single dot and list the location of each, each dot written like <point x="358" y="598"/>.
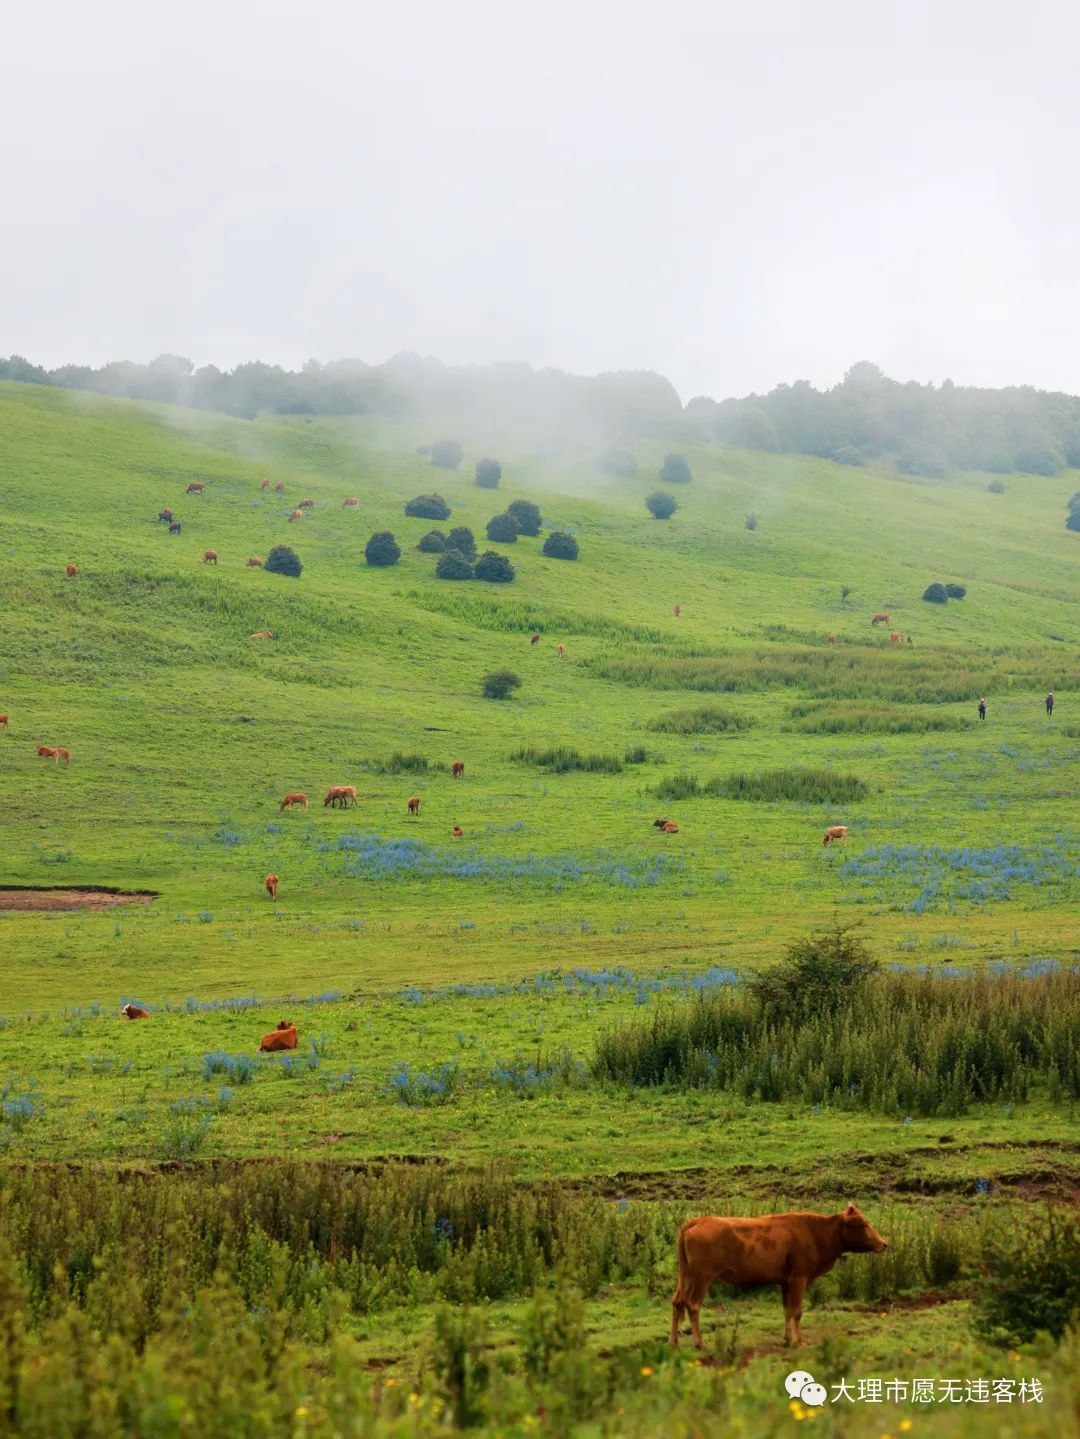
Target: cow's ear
<point x="850" y="1212"/>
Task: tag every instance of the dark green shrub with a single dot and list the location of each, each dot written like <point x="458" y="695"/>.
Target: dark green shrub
<point x="751" y="521"/>
<point x="818" y="974"/>
<point x="936" y="593"/>
<point x="500" y="684"/>
<point x="446" y="454"/>
<point x="526" y="515"/>
<point x="283" y="561"/>
<point x="675" y="471"/>
<point x="956" y="592"/>
<point x="618" y="462"/>
<point x="496" y="569"/>
<point x="996" y="487"/>
<point x="1031" y="1278"/>
<point x="636" y="754"/>
<point x="382" y="549"/>
<point x="1072" y="522"/>
<point x="428" y="507"/>
<point x="453" y="565"/>
<point x="679" y="786"/>
<point x="1074" y="501"/>
<point x="561" y="546"/>
<point x="459" y="1359"/>
<point x="399" y="763"/>
<point x="433" y="543"/>
<point x="802" y="786"/>
<point x="488" y="474"/>
<point x="461" y="539"/>
<point x="706" y="719"/>
<point x="660" y="505"/>
<point x="849" y="455"/>
<point x="563" y="760"/>
<point x="502" y="528"/>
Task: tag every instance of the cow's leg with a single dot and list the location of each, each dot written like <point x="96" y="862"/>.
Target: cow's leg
<point x="678" y="1310"/>
<point x="693" y="1303"/>
<point x="792" y="1290"/>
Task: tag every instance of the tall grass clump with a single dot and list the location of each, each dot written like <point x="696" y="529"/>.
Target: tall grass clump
<point x="824" y="718"/>
<point x="705" y="719"/>
<point x="562" y="760"/>
<point x="805" y="786"/>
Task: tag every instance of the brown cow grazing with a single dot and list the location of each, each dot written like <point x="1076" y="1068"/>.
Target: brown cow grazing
<point x="263" y="635"/>
<point x="280" y="487"/>
<point x="174" y="527"/>
<point x="209" y="557"/>
<point x="534" y="639"/>
<point x="306" y="505"/>
<point x="4" y="721"/>
<point x="835" y="831"/>
<point x="669" y="827"/>
<point x="271" y="883"/>
<point x="265" y="483"/>
<point x="296" y="515"/>
<point x="54" y="752"/>
<point x="164" y="517"/>
<point x="133" y="1011"/>
<point x="195" y="488"/>
<point x="830" y="639"/>
<point x="72" y="571"/>
<point x="255" y="563"/>
<point x="339" y="794"/>
<point x="457" y="769"/>
<point x="880" y="619"/>
<point x="414" y="805"/>
<point x="283" y="1037"/>
<point x="896" y="637"/>
<point x="350" y="503"/>
<point x="678" y="611"/>
<point x="786" y="1249"/>
<point x="291" y="799"/>
<point x="457" y="831"/>
<point x="560" y="650"/>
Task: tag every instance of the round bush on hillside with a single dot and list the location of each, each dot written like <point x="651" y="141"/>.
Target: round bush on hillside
<point x="461" y="539"/>
<point x="751" y="521"/>
<point x="446" y="454"/>
<point x="283" y="561"/>
<point x="1072" y="521"/>
<point x="502" y="528"/>
<point x="526" y="516"/>
<point x="849" y="455"/>
<point x="433" y="543"/>
<point x="661" y="506"/>
<point x="382" y="549"/>
<point x="561" y="546"/>
<point x="956" y="592"/>
<point x="500" y="684"/>
<point x="618" y="462"/>
<point x="675" y="471"/>
<point x="428" y="507"/>
<point x="453" y="566"/>
<point x="494" y="568"/>
<point x="937" y="594"/>
<point x="488" y="474"/>
<point x="996" y="487"/>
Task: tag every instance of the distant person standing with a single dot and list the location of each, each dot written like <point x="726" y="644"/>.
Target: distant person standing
<point x="1050" y="705"/>
<point x="982" y="709"/>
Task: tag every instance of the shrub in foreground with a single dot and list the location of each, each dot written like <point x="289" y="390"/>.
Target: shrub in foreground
<point x="283" y="560"/>
<point x="660" y="505"/>
<point x="382" y="549"/>
<point x="428" y="507"/>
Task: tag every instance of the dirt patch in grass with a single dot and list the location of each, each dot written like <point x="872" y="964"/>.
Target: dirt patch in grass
<point x="79" y="896"/>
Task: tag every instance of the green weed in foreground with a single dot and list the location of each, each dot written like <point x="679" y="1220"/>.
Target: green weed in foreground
<point x="805" y="786"/>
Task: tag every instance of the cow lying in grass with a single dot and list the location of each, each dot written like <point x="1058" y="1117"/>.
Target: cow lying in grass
<point x="283" y="1037"/>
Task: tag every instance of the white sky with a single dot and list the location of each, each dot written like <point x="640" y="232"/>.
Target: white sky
<point x="731" y="193"/>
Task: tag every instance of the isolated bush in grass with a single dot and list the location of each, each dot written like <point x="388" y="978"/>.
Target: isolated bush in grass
<point x="382" y="549"/>
<point x="453" y="566"/>
<point x="849" y="455"/>
<point x="660" y="505"/>
<point x="526" y="515"/>
<point x="502" y="528"/>
<point x="501" y="684"/>
<point x="433" y="543"/>
<point x="461" y="539"/>
<point x="996" y="487"/>
<point x="705" y="719"/>
<point x="936" y="593"/>
<point x="1072" y="521"/>
<point x="618" y="462"/>
<point x="283" y="560"/>
<point x="428" y="507"/>
<point x="956" y="592"/>
<point x="751" y="521"/>
<point x="675" y="471"/>
<point x="446" y="454"/>
<point x="561" y="546"/>
<point x="488" y="474"/>
<point x="496" y="569"/>
<point x="1031" y="1278"/>
<point x="818" y="974"/>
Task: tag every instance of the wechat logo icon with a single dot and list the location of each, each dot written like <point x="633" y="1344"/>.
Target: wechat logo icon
<point x="802" y="1386"/>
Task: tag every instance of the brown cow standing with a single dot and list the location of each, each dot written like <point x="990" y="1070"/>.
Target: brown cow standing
<point x="296" y="515"/>
<point x="164" y="517"/>
<point x="896" y="637"/>
<point x="349" y="503"/>
<point x="678" y="611"/>
<point x="4" y="721"/>
<point x="786" y="1249"/>
<point x="210" y="557"/>
<point x="54" y="752"/>
<point x="342" y="793"/>
<point x="534" y="639"/>
<point x="271" y="883"/>
<point x="280" y="487"/>
<point x="283" y="1037"/>
<point x="132" y="1011"/>
<point x="835" y="831"/>
<point x="174" y="527"/>
<point x="71" y="572"/>
<point x="880" y="619"/>
<point x="457" y="831"/>
<point x="560" y="650"/>
<point x="291" y="799"/>
<point x="195" y="488"/>
<point x="265" y="483"/>
<point x="457" y="769"/>
<point x="306" y="505"/>
<point x="830" y="639"/>
<point x="414" y="805"/>
<point x="255" y="563"/>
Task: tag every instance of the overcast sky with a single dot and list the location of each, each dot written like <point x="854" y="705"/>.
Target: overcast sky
<point x="732" y="194"/>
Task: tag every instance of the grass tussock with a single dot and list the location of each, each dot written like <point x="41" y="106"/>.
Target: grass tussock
<point x="824" y="718"/>
<point x="802" y="786"/>
<point x="399" y="763"/>
<point x="561" y="759"/>
<point x="704" y="719"/>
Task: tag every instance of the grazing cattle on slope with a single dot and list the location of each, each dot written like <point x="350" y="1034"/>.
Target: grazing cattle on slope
<point x="271" y="883"/>
<point x="4" y="720"/>
<point x="669" y="827"/>
<point x="255" y="562"/>
<point x="54" y="752"/>
<point x="133" y="1011"/>
<point x="786" y="1249"/>
<point x="678" y="611"/>
<point x="835" y="831"/>
<point x="296" y="515"/>
<point x="414" y="805"/>
<point x="560" y="650"/>
<point x="896" y="638"/>
<point x="209" y="557"/>
<point x="339" y="794"/>
<point x="457" y="769"/>
<point x="283" y="1037"/>
<point x="350" y="503"/>
<point x="265" y="483"/>
<point x="306" y="505"/>
<point x="174" y="527"/>
<point x="72" y="571"/>
<point x="280" y="487"/>
<point x="457" y="831"/>
<point x="291" y="799"/>
<point x="830" y="639"/>
<point x="196" y="488"/>
<point x="880" y="619"/>
<point x="263" y="635"/>
<point x="534" y="639"/>
<point x="164" y="517"/>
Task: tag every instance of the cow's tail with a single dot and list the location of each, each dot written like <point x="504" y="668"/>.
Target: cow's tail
<point x="682" y="1288"/>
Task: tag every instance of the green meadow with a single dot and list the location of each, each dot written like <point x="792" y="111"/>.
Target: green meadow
<point x="453" y="994"/>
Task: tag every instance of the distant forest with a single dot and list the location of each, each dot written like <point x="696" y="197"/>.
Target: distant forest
<point x="925" y="429"/>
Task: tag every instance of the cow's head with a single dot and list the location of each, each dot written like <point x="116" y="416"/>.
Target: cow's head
<point x="857" y="1233"/>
